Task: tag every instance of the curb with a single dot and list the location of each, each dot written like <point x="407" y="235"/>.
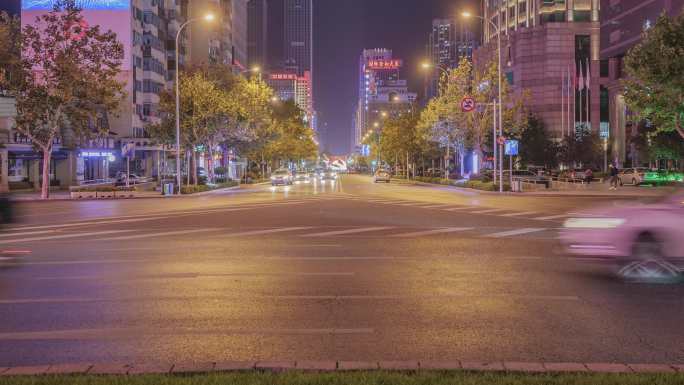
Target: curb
<point x="339" y="366"/>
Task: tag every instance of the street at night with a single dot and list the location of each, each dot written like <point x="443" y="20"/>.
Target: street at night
<point x="336" y="271"/>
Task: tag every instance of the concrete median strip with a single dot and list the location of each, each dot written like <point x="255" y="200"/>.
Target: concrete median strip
<point x="340" y="366"/>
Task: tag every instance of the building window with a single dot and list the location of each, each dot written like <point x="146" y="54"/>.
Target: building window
<point x="580" y="16"/>
<point x="553" y="17"/>
<point x="605" y="68"/>
<point x="147" y="109"/>
<point x="509" y="77"/>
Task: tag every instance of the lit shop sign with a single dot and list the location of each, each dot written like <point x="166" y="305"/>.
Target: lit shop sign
<point x="85" y="4"/>
<point x="384" y="64"/>
<point x="283" y="76"/>
<point x="98" y="154"/>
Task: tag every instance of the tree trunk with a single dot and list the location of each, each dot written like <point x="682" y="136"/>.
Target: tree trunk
<point x="45" y="184"/>
<point x="210" y="163"/>
<point x="193" y="166"/>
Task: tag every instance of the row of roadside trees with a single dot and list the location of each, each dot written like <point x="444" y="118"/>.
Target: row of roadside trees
<point x="654" y="92"/>
<point x="65" y="78"/>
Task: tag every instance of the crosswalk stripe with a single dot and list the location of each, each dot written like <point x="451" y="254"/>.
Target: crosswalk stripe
<point x="269" y="231"/>
<point x="345" y="232"/>
<point x="488" y="211"/>
<point x="156" y="235"/>
<point x="63" y="236"/>
<point x="511" y="233"/>
<point x="432" y="232"/>
<point x="519" y="214"/>
<point x="551" y="217"/>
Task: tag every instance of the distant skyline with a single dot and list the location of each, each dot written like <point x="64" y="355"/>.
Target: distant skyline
<point x="342" y="29"/>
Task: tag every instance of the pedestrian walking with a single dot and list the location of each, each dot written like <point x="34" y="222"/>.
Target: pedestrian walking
<point x="588" y="176"/>
<point x="613" y="177"/>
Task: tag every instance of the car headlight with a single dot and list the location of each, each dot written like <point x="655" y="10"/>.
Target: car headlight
<point x="593" y="223"/>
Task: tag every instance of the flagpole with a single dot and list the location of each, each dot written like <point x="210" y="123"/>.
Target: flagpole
<point x="588" y="81"/>
<point x="562" y="101"/>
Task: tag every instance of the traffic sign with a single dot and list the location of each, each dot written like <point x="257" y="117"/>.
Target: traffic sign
<point x="501" y="140"/>
<point x="511" y="147"/>
<point x="468" y="104"/>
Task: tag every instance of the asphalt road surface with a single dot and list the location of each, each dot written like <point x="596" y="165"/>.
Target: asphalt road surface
<point x="335" y="271"/>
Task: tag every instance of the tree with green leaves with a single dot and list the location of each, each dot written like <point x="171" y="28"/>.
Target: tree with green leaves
<point x="403" y="139"/>
<point x="66" y="80"/>
<point x="536" y="148"/>
<point x="654" y="88"/>
<point x="292" y="139"/>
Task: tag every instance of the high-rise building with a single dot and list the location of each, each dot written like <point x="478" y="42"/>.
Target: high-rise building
<point x="622" y="23"/>
<point x="382" y="93"/>
<point x="551" y="49"/>
<point x="224" y="41"/>
<point x="449" y="41"/>
<point x="298" y="35"/>
<point x="257" y="35"/>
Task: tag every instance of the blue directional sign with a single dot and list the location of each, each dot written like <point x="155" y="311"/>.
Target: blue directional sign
<point x="511" y="147"/>
<point x="85" y="4"/>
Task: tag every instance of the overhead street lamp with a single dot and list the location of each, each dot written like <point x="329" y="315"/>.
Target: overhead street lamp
<point x="208" y="18"/>
<point x="498" y="45"/>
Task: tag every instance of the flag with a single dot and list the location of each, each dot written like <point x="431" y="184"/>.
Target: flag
<point x="588" y="80"/>
<point x="580" y="81"/>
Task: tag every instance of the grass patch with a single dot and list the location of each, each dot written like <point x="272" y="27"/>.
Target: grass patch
<point x="356" y="378"/>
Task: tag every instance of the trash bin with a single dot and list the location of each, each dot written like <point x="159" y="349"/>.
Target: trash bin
<point x="168" y="189"/>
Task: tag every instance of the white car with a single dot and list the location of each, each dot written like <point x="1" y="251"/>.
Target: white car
<point x="281" y="177"/>
<point x="633" y="176"/>
<point x="382" y="176"/>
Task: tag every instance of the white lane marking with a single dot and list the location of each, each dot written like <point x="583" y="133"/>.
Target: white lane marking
<point x="27" y="233"/>
<point x="192" y="276"/>
<point x="511" y="233"/>
<point x="269" y="231"/>
<point x="161" y="234"/>
<point x="461" y="208"/>
<point x="123" y="333"/>
<point x="551" y="217"/>
<point x="488" y="211"/>
<point x="432" y="232"/>
<point x="63" y="236"/>
<point x="519" y="214"/>
<point x="345" y="232"/>
<point x="436" y="206"/>
<point x="146" y="217"/>
<point x="289" y="297"/>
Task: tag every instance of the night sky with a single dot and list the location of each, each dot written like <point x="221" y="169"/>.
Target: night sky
<point x="342" y="29"/>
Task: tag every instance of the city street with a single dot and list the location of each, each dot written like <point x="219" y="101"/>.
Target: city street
<point x="336" y="271"/>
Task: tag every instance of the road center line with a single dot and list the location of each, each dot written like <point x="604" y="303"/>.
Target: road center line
<point x="268" y="231"/>
<point x="551" y="217"/>
<point x="162" y="234"/>
<point x="519" y="214"/>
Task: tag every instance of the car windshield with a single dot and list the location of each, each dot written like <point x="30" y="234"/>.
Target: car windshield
<point x="345" y="192"/>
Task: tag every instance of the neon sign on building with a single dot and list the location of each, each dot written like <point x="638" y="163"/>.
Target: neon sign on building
<point x="384" y="64"/>
<point x="85" y="4"/>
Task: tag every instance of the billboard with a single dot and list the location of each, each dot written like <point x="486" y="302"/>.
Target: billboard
<point x="85" y="4"/>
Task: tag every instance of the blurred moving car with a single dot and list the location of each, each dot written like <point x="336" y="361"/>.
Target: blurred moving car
<point x="382" y="176"/>
<point x="645" y="241"/>
<point x="132" y="179"/>
<point x="633" y="176"/>
<point x="281" y="176"/>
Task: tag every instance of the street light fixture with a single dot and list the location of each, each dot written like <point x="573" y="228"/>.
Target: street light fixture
<point x="209" y="17"/>
<point x="468" y="15"/>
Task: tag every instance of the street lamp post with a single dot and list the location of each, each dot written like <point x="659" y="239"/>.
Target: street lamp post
<point x="498" y="46"/>
<point x="208" y="17"/>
